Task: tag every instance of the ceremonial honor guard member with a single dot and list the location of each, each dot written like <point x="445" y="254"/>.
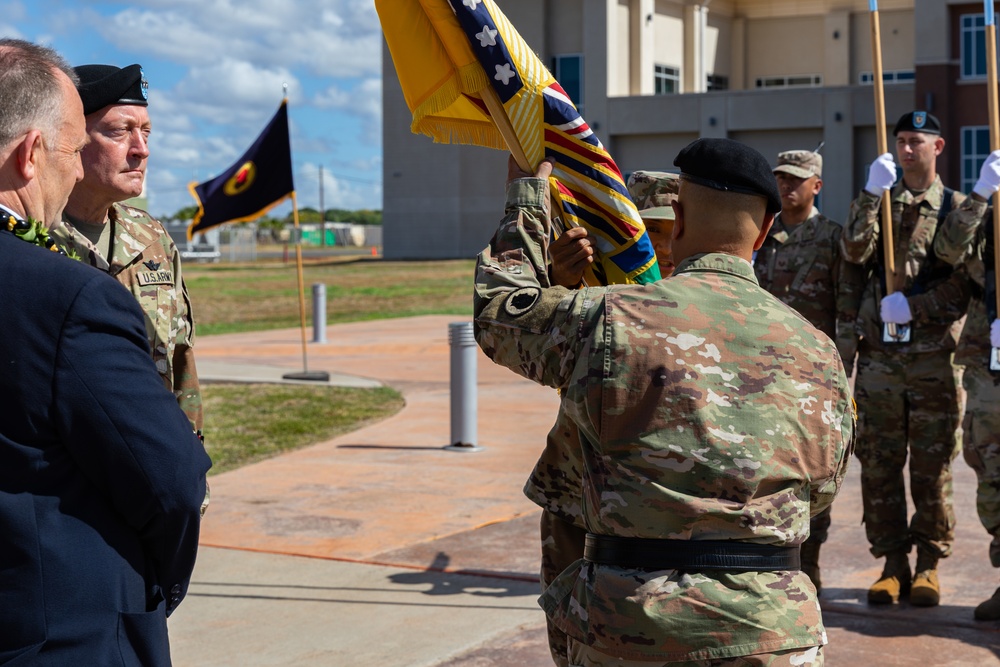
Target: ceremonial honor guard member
<point x="123" y="240"/>
<point x="967" y="240"/>
<point x="908" y="385"/>
<point x="699" y="466"/>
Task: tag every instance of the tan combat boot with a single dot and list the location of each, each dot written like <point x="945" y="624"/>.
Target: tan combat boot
<point x="895" y="580"/>
<point x="925" y="591"/>
<point x="990" y="609"/>
<point x="809" y="556"/>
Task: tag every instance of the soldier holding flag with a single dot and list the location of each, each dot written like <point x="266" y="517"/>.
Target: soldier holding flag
<point x="908" y="386"/>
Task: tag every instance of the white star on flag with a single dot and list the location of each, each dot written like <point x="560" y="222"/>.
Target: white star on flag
<point x="487" y="37"/>
<point x="504" y="73"/>
<point x="471" y="4"/>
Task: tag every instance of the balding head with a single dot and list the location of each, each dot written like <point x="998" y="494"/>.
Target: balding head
<point x="32" y="93"/>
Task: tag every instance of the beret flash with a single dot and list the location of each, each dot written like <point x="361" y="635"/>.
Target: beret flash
<point x="104" y="85"/>
<point x="917" y="121"/>
<point x="724" y="164"/>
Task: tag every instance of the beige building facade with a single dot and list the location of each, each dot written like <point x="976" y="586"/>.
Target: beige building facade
<point x="650" y="76"/>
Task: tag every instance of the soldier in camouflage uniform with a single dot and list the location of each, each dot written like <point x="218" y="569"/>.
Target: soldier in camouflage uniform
<point x="555" y="484"/>
<point x="712" y="420"/>
<point x="908" y="392"/>
<point x="125" y="241"/>
<point x="800" y="263"/>
<point x="966" y="241"/>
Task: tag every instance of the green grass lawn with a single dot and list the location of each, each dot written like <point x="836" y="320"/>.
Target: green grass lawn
<point x="255" y="297"/>
<point x="245" y="423"/>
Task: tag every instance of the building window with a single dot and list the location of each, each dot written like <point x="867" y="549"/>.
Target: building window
<point x="717" y="82"/>
<point x="975" y="149"/>
<point x="667" y="79"/>
<point x="796" y="81"/>
<point x="973" y="46"/>
<point x="568" y="71"/>
<point x="893" y="76"/>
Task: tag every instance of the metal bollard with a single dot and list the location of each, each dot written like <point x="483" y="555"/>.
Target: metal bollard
<point x="319" y="313"/>
<point x="464" y="390"/>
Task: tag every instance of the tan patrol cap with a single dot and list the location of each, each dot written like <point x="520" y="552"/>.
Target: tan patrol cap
<point x="653" y="192"/>
<point x="800" y="163"/>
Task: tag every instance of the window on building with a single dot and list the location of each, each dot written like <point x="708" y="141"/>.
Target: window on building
<point x="667" y="79"/>
<point x="717" y="82"/>
<point x="975" y="149"/>
<point x="795" y="81"/>
<point x="568" y="71"/>
<point x="893" y="76"/>
<point x="973" y="46"/>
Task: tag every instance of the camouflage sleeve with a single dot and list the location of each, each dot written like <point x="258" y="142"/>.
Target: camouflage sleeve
<point x="186" y="386"/>
<point x="823" y="490"/>
<point x="946" y="302"/>
<point x="522" y="322"/>
<point x="849" y="283"/>
<point x="857" y="242"/>
<point x="954" y="241"/>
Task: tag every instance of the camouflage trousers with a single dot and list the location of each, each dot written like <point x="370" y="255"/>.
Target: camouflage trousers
<point x="981" y="448"/>
<point x="908" y="404"/>
<point x="584" y="656"/>
<point x="562" y="545"/>
<point x="819" y="526"/>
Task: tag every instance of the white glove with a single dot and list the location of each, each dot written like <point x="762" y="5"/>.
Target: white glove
<point x="995" y="333"/>
<point x="881" y="175"/>
<point x="989" y="176"/>
<point x="894" y="309"/>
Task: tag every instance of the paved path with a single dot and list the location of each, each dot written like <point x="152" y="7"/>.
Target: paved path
<point x="381" y="548"/>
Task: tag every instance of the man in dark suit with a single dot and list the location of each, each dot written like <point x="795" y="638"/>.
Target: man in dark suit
<point x="101" y="477"/>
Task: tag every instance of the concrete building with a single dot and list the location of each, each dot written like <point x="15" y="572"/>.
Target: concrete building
<point x="650" y="76"/>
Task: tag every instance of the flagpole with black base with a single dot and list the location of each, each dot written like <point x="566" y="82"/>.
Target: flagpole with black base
<point x="306" y="374"/>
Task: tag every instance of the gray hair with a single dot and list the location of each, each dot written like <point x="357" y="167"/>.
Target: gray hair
<point x="30" y="97"/>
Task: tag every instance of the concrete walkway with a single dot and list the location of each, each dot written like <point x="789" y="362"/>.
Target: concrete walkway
<point x="381" y="548"/>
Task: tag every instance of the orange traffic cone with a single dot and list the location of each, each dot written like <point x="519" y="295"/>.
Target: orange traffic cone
<point x="374" y="252"/>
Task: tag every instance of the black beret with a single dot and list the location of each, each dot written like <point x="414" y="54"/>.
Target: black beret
<point x="104" y="85"/>
<point x="917" y="121"/>
<point x="724" y="164"/>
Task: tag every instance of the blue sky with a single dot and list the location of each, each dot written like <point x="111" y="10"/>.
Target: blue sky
<point x="215" y="71"/>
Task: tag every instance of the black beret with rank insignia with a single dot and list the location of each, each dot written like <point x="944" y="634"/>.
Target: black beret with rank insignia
<point x="917" y="121"/>
<point x="727" y="165"/>
<point x="104" y="85"/>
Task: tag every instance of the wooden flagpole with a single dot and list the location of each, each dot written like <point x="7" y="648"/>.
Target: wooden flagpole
<point x="991" y="94"/>
<point x="883" y="147"/>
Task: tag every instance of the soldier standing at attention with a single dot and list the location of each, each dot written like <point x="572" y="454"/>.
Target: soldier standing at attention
<point x="908" y="390"/>
<point x="127" y="242"/>
<point x="966" y="241"/>
<point x="800" y="263"/>
<point x="555" y="483"/>
<point x="701" y="456"/>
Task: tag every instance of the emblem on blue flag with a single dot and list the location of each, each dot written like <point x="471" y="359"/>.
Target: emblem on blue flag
<point x="919" y="119"/>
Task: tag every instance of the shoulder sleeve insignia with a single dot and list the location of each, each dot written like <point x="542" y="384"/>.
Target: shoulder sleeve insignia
<point x="522" y="300"/>
<point x="152" y="265"/>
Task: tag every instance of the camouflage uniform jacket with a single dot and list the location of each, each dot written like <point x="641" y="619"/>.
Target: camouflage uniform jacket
<point x="962" y="243"/>
<point x="706" y="409"/>
<point x="145" y="260"/>
<point x="801" y="267"/>
<point x="937" y="303"/>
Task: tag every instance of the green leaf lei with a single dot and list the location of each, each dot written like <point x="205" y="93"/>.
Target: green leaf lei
<point x="32" y="231"/>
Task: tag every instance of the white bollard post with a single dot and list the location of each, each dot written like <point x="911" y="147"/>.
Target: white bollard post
<point x="319" y="313"/>
<point x="464" y="391"/>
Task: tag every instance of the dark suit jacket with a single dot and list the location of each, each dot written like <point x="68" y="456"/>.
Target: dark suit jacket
<point x="101" y="478"/>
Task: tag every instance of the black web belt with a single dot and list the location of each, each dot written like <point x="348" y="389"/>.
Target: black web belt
<point x="693" y="555"/>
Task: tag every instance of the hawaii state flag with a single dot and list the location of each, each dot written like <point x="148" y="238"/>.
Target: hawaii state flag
<point x="259" y="180"/>
<point x="447" y="52"/>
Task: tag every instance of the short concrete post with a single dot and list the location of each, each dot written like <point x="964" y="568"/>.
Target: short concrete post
<point x="319" y="313"/>
<point x="464" y="391"/>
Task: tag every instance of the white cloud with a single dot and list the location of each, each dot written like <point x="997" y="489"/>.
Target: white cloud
<point x="363" y="101"/>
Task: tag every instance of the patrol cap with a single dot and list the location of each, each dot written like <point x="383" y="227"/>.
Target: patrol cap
<point x="104" y="85"/>
<point x="802" y="164"/>
<point x="724" y="164"/>
<point x="653" y="193"/>
<point x="918" y="121"/>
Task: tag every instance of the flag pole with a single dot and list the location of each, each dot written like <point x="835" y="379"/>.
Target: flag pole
<point x="502" y="121"/>
<point x="991" y="94"/>
<point x="883" y="147"/>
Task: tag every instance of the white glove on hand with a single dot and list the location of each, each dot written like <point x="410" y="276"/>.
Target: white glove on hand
<point x="995" y="333"/>
<point x="881" y="175"/>
<point x="894" y="309"/>
<point x="989" y="176"/>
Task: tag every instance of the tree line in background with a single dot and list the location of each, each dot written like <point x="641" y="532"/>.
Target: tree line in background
<point x="306" y="215"/>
